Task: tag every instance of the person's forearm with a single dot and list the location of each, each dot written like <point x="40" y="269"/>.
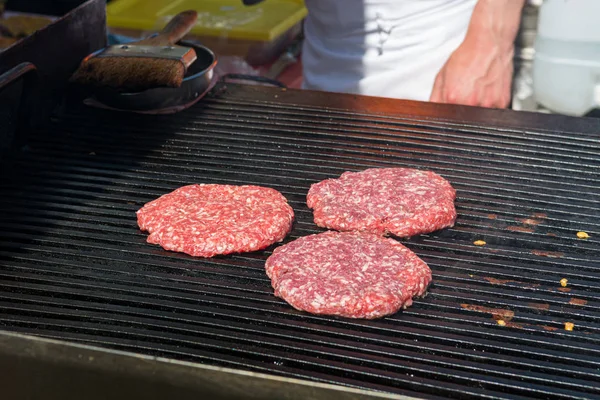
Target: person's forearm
<point x="498" y="18"/>
<point x="479" y="72"/>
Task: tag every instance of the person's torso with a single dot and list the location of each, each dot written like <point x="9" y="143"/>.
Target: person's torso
<point x="388" y="48"/>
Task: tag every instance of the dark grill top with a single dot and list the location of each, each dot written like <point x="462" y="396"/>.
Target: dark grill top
<point x="74" y="265"/>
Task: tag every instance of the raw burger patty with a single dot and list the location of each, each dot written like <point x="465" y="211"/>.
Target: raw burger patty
<point x="205" y="220"/>
<point x="401" y="201"/>
<point x="351" y="274"/>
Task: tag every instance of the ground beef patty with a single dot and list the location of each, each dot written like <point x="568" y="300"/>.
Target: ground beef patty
<point x="401" y="201"/>
<point x="351" y="274"/>
<point x="205" y="220"/>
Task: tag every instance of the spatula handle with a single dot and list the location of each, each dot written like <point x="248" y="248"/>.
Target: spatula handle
<point x="175" y="30"/>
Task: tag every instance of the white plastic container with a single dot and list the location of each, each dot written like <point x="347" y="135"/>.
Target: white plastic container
<point x="566" y="68"/>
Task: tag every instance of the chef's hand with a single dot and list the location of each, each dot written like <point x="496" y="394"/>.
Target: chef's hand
<point x="479" y="72"/>
<point x="476" y="74"/>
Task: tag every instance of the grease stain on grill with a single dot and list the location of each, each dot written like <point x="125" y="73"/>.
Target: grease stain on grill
<point x="529" y="221"/>
<point x="495" y="281"/>
<point x="516" y="325"/>
<point x="549" y="328"/>
<point x="492" y="216"/>
<point x="523" y="229"/>
<point x="577" y="302"/>
<point x="539" y="306"/>
<point x="539" y="215"/>
<point x="497" y="313"/>
<point x="564" y="289"/>
<point x="549" y="254"/>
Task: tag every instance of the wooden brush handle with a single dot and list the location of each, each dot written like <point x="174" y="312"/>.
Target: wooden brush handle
<point x="175" y="30"/>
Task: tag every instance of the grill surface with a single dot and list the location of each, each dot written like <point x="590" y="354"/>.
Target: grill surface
<point x="73" y="264"/>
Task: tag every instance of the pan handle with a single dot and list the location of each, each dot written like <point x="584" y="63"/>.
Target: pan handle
<point x="252" y="78"/>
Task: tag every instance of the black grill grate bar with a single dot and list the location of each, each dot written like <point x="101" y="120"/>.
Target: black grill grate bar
<point x="433" y="125"/>
<point x="109" y="206"/>
<point x="474" y="291"/>
<point x="584" y="273"/>
<point x="438" y="309"/>
<point x="466" y="251"/>
<point x="508" y="223"/>
<point x="465" y="291"/>
<point x="254" y="142"/>
<point x="584" y="363"/>
<point x="113" y="222"/>
<point x="572" y="250"/>
<point x="134" y="294"/>
<point x="358" y="139"/>
<point x="354" y="127"/>
<point x="341" y="161"/>
<point x="370" y="343"/>
<point x="467" y="178"/>
<point x="443" y="282"/>
<point x="98" y="190"/>
<point x="548" y="202"/>
<point x="427" y="340"/>
<point x="540" y="288"/>
<point x="379" y="360"/>
<point x="114" y="212"/>
<point x="265" y="130"/>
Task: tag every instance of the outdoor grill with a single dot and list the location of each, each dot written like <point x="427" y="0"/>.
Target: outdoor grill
<point x="75" y="266"/>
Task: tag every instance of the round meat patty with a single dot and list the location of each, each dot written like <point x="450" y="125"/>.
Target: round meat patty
<point x="206" y="220"/>
<point x="350" y="274"/>
<point x="401" y="201"/>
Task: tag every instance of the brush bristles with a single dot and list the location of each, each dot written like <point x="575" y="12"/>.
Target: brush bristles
<point x="130" y="74"/>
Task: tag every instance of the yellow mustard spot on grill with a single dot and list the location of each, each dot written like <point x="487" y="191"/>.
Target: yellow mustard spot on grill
<point x="479" y="243"/>
<point x="582" y="235"/>
<point x="501" y="322"/>
<point x="563" y="282"/>
<point x="569" y="326"/>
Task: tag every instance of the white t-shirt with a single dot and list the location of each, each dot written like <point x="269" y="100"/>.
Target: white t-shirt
<point x="385" y="48"/>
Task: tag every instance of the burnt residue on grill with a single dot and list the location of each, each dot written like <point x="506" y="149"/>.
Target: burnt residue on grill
<point x="551" y="254"/>
<point x="520" y="229"/>
<point x="496" y="313"/>
<point x="577" y="302"/>
<point x="74" y="265"/>
<point x="539" y="306"/>
<point x="530" y="221"/>
<point x="495" y="281"/>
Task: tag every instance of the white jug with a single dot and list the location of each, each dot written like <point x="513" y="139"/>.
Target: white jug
<point x="566" y="68"/>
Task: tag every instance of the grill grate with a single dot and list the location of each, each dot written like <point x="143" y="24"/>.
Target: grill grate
<point x="73" y="264"/>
